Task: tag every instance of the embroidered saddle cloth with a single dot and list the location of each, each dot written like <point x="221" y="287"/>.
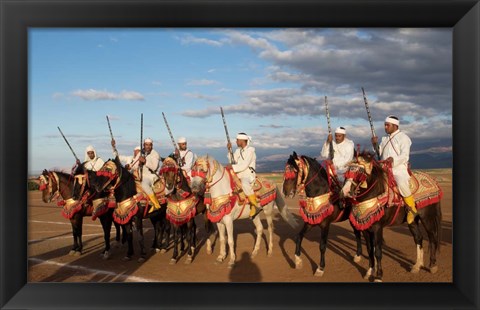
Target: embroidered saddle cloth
<point x="263" y="189"/>
<point x="314" y="209"/>
<point x="181" y="211"/>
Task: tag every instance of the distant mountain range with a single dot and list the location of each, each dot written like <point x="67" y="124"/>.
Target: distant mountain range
<point x="417" y="161"/>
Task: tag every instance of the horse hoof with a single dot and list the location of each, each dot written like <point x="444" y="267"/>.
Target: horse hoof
<point x="163" y="251"/>
<point x="318" y="273"/>
<point x="434" y="269"/>
<point x="231" y="265"/>
<point x="378" y="281"/>
<point x="105" y="256"/>
<point x="141" y="259"/>
<point x="357" y="258"/>
<point x="72" y="252"/>
<point x="126" y="259"/>
<point x="188" y="261"/>
<point x="77" y="253"/>
<point x="254" y="254"/>
<point x="298" y="262"/>
<point x="269" y="253"/>
<point x="415" y="269"/>
<point x="173" y="261"/>
<point x="209" y="251"/>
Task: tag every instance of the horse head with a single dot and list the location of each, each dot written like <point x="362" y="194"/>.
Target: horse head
<point x="81" y="182"/>
<point x="361" y="175"/>
<point x="170" y="172"/>
<point x="200" y="171"/>
<point x="290" y="176"/>
<point x="48" y="186"/>
<point x="106" y="176"/>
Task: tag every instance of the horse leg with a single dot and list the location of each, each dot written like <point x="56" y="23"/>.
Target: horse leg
<point x="176" y="237"/>
<point x="268" y="216"/>
<point x="368" y="235"/>
<point x="74" y="235"/>
<point x="418" y="238"/>
<point x="128" y="229"/>
<point x="298" y="245"/>
<point x="358" y="238"/>
<point x="223" y="252"/>
<point x="156" y="233"/>
<point x="191" y="240"/>
<point x="231" y="242"/>
<point x="258" y="240"/>
<point x="141" y="239"/>
<point x="378" y="242"/>
<point x="432" y="222"/>
<point x="211" y="233"/>
<point x="106" y="225"/>
<point x="77" y="224"/>
<point x="324" y="228"/>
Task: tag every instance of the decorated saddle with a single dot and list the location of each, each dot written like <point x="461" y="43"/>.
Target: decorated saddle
<point x="425" y="191"/>
<point x="180" y="212"/>
<point x="220" y="206"/>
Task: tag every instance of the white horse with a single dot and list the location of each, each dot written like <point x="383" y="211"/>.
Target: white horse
<point x="208" y="174"/>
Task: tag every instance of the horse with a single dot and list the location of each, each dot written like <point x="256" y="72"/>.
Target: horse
<point x="217" y="185"/>
<point x="377" y="204"/>
<point x="59" y="185"/>
<point x="130" y="209"/>
<point x="182" y="208"/>
<point x="320" y="207"/>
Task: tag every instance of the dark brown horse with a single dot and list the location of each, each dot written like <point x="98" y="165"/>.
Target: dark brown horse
<point x="182" y="208"/>
<point x="130" y="209"/>
<point x="369" y="184"/>
<point x="320" y="206"/>
<point x="56" y="185"/>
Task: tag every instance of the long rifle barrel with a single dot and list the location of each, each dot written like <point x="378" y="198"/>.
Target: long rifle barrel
<point x="370" y="121"/>
<point x="331" y="151"/>
<point x="179" y="161"/>
<point x="111" y="134"/>
<point x="228" y="136"/>
<point x="68" y="143"/>
<point x="142" y="149"/>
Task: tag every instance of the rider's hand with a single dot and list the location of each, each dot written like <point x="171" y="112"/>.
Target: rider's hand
<point x="374" y="140"/>
<point x="329" y="138"/>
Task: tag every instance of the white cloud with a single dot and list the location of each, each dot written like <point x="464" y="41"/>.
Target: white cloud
<point x="189" y="39"/>
<point x="202" y="82"/>
<point x="158" y="83"/>
<point x="201" y="96"/>
<point x="58" y="96"/>
<point x="93" y="94"/>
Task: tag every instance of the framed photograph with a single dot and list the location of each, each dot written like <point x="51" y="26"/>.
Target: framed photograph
<point x="29" y="27"/>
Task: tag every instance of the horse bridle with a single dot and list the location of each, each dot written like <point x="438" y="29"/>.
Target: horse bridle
<point x="48" y="181"/>
<point x="208" y="175"/>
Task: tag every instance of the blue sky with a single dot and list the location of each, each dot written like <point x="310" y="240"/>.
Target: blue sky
<point x="270" y="82"/>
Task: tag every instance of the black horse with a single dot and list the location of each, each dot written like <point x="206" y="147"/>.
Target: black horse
<point x="129" y="211"/>
<point x="56" y="184"/>
<point x="368" y="183"/>
<point x="181" y="197"/>
<point x="321" y="207"/>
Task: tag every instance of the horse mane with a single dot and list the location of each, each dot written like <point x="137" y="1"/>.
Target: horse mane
<point x="313" y="163"/>
<point x="378" y="173"/>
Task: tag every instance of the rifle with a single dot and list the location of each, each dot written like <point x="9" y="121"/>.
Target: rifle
<point x="331" y="151"/>
<point x="371" y="123"/>
<point x="68" y="144"/>
<point x="179" y="160"/>
<point x="111" y="135"/>
<point x="142" y="150"/>
<point x="228" y="137"/>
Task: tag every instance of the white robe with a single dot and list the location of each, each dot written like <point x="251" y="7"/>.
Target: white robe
<point x="149" y="175"/>
<point x="397" y="145"/>
<point x="92" y="164"/>
<point x="343" y="154"/>
<point x="188" y="157"/>
<point x="244" y="167"/>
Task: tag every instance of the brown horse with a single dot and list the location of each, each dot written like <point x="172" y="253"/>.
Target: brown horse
<point x="377" y="206"/>
<point x="56" y="185"/>
<point x="320" y="207"/>
<point x="182" y="208"/>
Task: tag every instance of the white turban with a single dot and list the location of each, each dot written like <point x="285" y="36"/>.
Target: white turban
<point x="392" y="119"/>
<point x="90" y="149"/>
<point x="341" y="130"/>
<point x="182" y="140"/>
<point x="148" y="140"/>
<point x="242" y="136"/>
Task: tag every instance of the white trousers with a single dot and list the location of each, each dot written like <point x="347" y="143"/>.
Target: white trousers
<point x="247" y="186"/>
<point x="402" y="178"/>
<point x="147" y="182"/>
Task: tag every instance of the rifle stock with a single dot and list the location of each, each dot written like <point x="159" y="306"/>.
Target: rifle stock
<point x="232" y="160"/>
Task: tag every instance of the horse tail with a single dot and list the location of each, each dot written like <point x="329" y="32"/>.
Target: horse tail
<point x="437" y="231"/>
<point x="284" y="212"/>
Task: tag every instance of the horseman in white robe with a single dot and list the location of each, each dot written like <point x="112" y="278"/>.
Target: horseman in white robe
<point x="92" y="161"/>
<point x="149" y="162"/>
<point x="395" y="148"/>
<point x="343" y="151"/>
<point x="130" y="162"/>
<point x="245" y="163"/>
<point x="187" y="157"/>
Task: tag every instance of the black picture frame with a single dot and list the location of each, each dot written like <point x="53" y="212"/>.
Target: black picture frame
<point x="16" y="18"/>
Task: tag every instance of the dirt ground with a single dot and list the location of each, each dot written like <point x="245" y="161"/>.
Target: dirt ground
<point x="50" y="240"/>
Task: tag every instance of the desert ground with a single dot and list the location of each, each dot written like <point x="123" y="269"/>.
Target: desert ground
<point x="50" y="240"/>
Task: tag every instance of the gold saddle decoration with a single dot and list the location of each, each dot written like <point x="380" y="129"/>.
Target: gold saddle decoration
<point x="263" y="189"/>
<point x="182" y="206"/>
